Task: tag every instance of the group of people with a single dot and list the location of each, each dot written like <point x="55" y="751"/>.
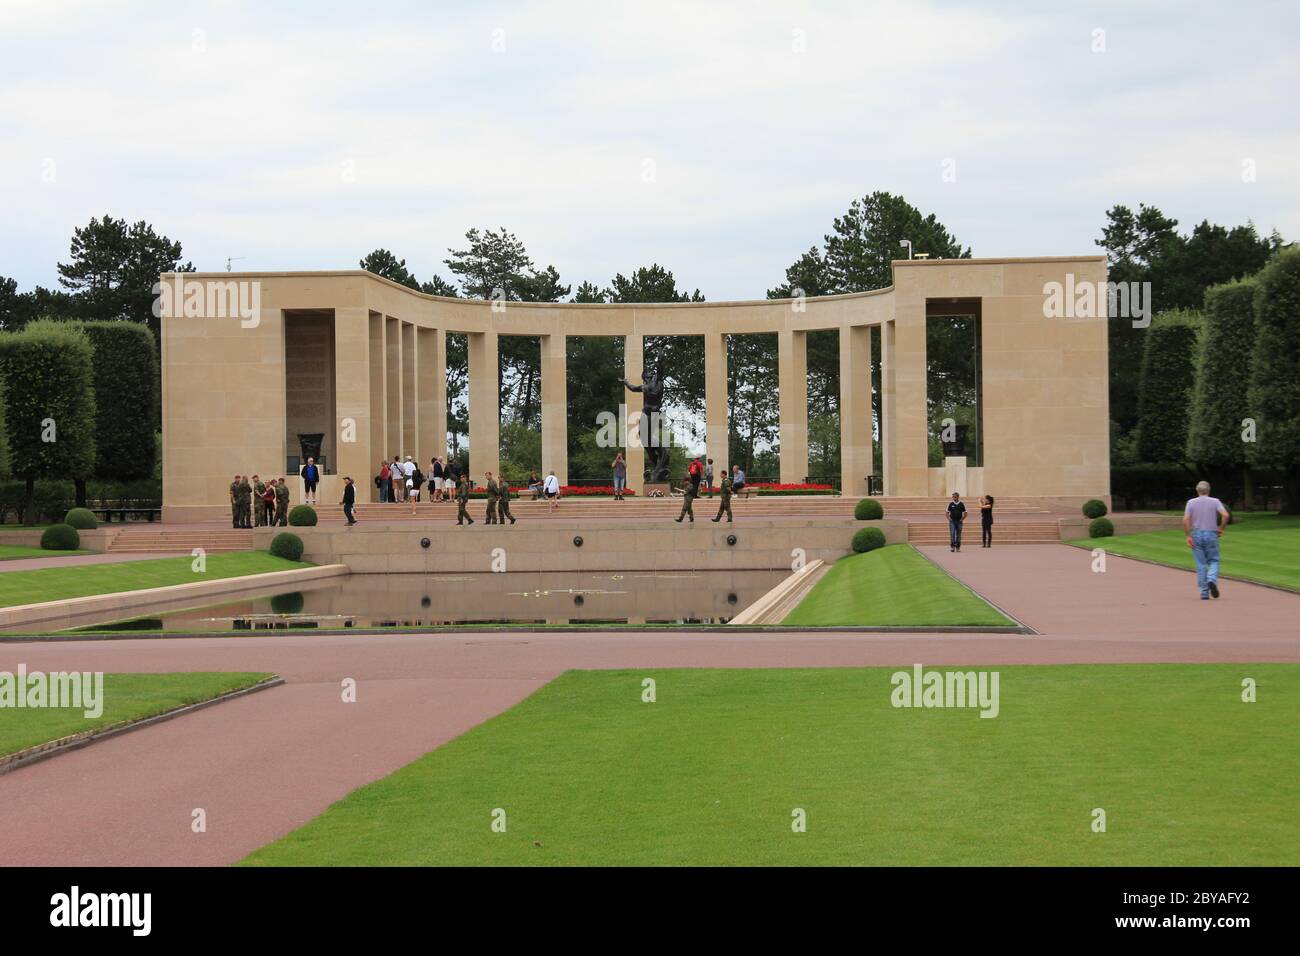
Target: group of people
<point x="255" y="503"/>
<point x="957" y="518"/>
<point x="701" y="473"/>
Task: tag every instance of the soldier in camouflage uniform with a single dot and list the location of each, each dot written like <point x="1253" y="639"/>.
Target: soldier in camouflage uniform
<point x="245" y="497"/>
<point x="259" y="512"/>
<point x="234" y="502"/>
<point x="503" y="502"/>
<point x="688" y="499"/>
<point x="492" y="494"/>
<point x="725" y="504"/>
<point x="462" y="498"/>
<point x="281" y="503"/>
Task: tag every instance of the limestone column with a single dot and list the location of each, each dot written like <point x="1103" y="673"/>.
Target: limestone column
<point x="888" y="425"/>
<point x="431" y="395"/>
<point x="555" y="407"/>
<point x="634" y="453"/>
<point x="911" y="436"/>
<point x="352" y="409"/>
<point x="792" y="377"/>
<point x="393" y="385"/>
<point x="410" y="421"/>
<point x="484" y="405"/>
<point x="855" y="409"/>
<point x="715" y="402"/>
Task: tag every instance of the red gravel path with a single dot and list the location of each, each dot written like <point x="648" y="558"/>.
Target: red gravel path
<point x="261" y="765"/>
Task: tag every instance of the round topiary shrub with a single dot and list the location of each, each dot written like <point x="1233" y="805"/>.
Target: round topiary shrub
<point x="1094" y="508"/>
<point x="60" y="537"/>
<point x="302" y="516"/>
<point x="868" y="509"/>
<point x="1100" y="528"/>
<point x="868" y="539"/>
<point x="82" y="518"/>
<point x="290" y="603"/>
<point x="287" y="545"/>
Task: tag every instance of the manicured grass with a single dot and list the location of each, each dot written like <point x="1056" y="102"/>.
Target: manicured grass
<point x="1263" y="548"/>
<point x="711" y="772"/>
<point x="892" y="585"/>
<point x="56" y="584"/>
<point x="126" y="697"/>
<point x="11" y="552"/>
<point x="23" y="527"/>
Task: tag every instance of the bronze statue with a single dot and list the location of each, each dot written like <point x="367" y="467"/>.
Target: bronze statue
<point x="652" y="391"/>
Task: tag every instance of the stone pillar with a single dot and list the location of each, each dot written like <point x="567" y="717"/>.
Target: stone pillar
<point x="855" y="409"/>
<point x="410" y="421"/>
<point x="393" y="385"/>
<point x="352" y="430"/>
<point x="715" y="402"/>
<point x="484" y="402"/>
<point x="792" y="377"/>
<point x="911" y="441"/>
<point x="633" y="454"/>
<point x="431" y="395"/>
<point x="888" y="424"/>
<point x="555" y="407"/>
<point x="377" y="403"/>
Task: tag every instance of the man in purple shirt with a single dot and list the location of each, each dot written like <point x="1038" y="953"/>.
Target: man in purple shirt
<point x="1204" y="519"/>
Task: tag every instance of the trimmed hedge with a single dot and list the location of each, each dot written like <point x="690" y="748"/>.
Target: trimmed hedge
<point x="290" y="603"/>
<point x="302" y="516"/>
<point x="81" y="518"/>
<point x="287" y="545"/>
<point x="868" y="539"/>
<point x="126" y="398"/>
<point x="1101" y="528"/>
<point x="60" y="537"/>
<point x="868" y="509"/>
<point x="1094" y="508"/>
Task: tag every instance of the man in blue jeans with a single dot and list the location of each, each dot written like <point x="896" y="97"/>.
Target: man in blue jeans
<point x="956" y="515"/>
<point x="1204" y="519"/>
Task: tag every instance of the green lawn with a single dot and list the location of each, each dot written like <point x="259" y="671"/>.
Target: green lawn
<point x="55" y="584"/>
<point x="1256" y="547"/>
<point x="892" y="585"/>
<point x="710" y="774"/>
<point x="126" y="697"/>
<point x="11" y="552"/>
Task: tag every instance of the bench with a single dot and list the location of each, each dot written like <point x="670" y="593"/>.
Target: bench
<point x="125" y="514"/>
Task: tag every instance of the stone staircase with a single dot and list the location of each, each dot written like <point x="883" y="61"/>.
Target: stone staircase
<point x="159" y="539"/>
<point x="1005" y="532"/>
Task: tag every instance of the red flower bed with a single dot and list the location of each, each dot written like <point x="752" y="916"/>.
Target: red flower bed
<point x="591" y="491"/>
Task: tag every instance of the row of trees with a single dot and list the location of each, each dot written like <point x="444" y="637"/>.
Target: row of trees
<point x="1218" y="388"/>
<point x="77" y="400"/>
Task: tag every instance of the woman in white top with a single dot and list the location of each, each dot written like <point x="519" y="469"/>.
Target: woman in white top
<point x="551" y="488"/>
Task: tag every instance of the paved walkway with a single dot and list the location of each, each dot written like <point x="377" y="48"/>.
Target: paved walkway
<point x="264" y="764"/>
<point x="73" y="560"/>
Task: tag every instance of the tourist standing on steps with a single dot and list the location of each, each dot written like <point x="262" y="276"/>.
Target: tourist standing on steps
<point x="1204" y="521"/>
<point x="399" y="479"/>
<point x="382" y="481"/>
<point x="267" y="504"/>
<point x="708" y="477"/>
<point x="311" y="477"/>
<point x="551" y="488"/>
<point x="492" y="494"/>
<point x="986" y="521"/>
<point x="956" y="515"/>
<point x="620" y="476"/>
<point x="725" y="503"/>
<point x="690" y="489"/>
<point x="503" y="502"/>
<point x="435" y="479"/>
<point x="349" y="499"/>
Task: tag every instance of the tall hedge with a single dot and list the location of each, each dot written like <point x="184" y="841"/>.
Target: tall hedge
<point x="1275" y="373"/>
<point x="49" y="393"/>
<point x="1221" y="402"/>
<point x="1165" y="388"/>
<point x="126" y="399"/>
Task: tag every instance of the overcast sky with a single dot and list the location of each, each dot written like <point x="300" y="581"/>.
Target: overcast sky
<point x="719" y="140"/>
